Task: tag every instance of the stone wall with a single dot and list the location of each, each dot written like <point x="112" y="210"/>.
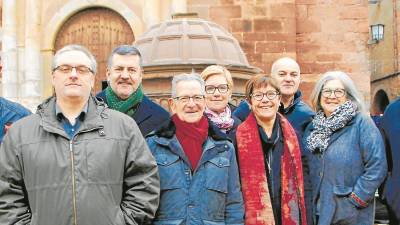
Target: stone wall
<point x="321" y="35"/>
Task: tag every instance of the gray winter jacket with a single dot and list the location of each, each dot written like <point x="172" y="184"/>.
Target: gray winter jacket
<point x="104" y="175"/>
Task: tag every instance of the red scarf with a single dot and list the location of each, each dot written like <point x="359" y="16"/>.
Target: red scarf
<point x="254" y="180"/>
<point x="191" y="136"/>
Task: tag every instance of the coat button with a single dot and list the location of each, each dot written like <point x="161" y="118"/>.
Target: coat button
<point x="321" y="173"/>
<point x="225" y="146"/>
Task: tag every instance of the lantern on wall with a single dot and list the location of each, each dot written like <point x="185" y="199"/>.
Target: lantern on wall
<point x="377" y="32"/>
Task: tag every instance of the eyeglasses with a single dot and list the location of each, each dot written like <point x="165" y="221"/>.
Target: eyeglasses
<point x="271" y="95"/>
<point x="81" y="70"/>
<point x="121" y="69"/>
<point x="222" y="88"/>
<point x="338" y="92"/>
<point x="186" y="99"/>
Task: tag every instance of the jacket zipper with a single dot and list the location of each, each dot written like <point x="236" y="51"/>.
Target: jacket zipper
<point x="71" y="153"/>
<point x="73" y="181"/>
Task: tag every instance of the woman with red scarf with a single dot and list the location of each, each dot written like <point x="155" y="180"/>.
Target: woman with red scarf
<point x="197" y="164"/>
<point x="269" y="159"/>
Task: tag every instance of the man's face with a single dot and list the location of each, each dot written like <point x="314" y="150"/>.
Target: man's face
<point x="189" y="104"/>
<point x="74" y="84"/>
<point x="125" y="75"/>
<point x="287" y="75"/>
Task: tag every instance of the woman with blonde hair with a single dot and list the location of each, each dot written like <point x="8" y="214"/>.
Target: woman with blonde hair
<point x="218" y="89"/>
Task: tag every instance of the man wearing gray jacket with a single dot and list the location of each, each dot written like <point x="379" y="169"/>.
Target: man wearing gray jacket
<point x="75" y="161"/>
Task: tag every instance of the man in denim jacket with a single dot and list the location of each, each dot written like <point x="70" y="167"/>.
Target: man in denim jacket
<point x="10" y="112"/>
<point x="197" y="164"/>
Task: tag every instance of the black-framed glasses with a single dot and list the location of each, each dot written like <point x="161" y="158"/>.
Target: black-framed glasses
<point x="186" y="99"/>
<point x="222" y="88"/>
<point x="81" y="69"/>
<point x="338" y="92"/>
<point x="271" y="95"/>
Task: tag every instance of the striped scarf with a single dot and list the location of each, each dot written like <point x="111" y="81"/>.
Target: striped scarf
<point x="256" y="195"/>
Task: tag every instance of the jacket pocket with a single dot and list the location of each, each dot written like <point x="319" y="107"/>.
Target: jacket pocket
<point x="345" y="211"/>
<point x="169" y="168"/>
<point x="217" y="174"/>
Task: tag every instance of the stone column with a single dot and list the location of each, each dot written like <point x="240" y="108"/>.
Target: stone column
<point x="9" y="50"/>
<point x="178" y="6"/>
<point x="151" y="12"/>
<point x="31" y="86"/>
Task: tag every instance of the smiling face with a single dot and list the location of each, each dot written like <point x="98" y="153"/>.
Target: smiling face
<point x="217" y="101"/>
<point x="286" y="73"/>
<point x="72" y="85"/>
<point x="189" y="111"/>
<point x="265" y="109"/>
<point x="332" y="98"/>
<point x="125" y="75"/>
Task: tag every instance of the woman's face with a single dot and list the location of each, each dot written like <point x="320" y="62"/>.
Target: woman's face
<point x="265" y="103"/>
<point x="333" y="94"/>
<point x="217" y="93"/>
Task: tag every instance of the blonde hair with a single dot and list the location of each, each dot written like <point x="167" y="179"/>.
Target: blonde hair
<point x="217" y="70"/>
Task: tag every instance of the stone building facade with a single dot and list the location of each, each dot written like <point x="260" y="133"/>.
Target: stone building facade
<point x="320" y="35"/>
<point x="385" y="54"/>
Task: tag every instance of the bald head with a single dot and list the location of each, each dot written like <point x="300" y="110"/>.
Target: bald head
<point x="286" y="72"/>
<point x="284" y="62"/>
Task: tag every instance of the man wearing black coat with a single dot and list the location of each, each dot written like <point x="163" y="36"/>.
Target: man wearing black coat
<point x="125" y="92"/>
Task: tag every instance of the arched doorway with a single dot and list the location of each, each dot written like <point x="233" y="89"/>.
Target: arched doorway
<point x="380" y="102"/>
<point x="98" y="29"/>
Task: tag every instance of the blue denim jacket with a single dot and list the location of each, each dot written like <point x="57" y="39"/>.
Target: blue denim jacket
<point x="10" y="112"/>
<point x="209" y="195"/>
<point x="354" y="162"/>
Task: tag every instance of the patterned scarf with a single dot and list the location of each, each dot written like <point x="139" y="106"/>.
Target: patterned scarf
<point x="324" y="127"/>
<point x="256" y="196"/>
<point x="127" y="106"/>
<point x="223" y="121"/>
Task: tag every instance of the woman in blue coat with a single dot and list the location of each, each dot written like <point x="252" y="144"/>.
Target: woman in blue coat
<point x="346" y="154"/>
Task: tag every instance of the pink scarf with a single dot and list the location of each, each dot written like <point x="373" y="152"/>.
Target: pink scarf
<point x="223" y="121"/>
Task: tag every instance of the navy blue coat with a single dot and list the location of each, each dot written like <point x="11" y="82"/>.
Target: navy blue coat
<point x="10" y="112"/>
<point x="299" y="113"/>
<point x="391" y="132"/>
<point x="148" y="115"/>
<point x="354" y="162"/>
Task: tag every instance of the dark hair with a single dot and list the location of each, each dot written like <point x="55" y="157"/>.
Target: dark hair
<point x="124" y="50"/>
<point x="259" y="80"/>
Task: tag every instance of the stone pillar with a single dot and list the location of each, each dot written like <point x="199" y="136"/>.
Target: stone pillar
<point x="9" y="48"/>
<point x="151" y="12"/>
<point x="178" y="6"/>
<point x="31" y="86"/>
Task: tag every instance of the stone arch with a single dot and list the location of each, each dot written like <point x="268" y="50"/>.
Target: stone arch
<point x="74" y="6"/>
<point x="379" y="103"/>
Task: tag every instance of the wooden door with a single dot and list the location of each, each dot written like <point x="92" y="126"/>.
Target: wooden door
<point x="98" y="29"/>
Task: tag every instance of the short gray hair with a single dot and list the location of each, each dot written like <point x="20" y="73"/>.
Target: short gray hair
<point x="186" y="77"/>
<point x="74" y="47"/>
<point x="124" y="50"/>
<point x="351" y="90"/>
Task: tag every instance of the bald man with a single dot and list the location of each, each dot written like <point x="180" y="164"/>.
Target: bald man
<point x="286" y="72"/>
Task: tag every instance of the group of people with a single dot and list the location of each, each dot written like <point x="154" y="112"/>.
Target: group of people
<point x="119" y="158"/>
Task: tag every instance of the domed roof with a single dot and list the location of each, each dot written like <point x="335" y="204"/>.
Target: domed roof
<point x="190" y="41"/>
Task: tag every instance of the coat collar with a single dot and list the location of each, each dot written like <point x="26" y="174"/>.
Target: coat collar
<point x="93" y="119"/>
